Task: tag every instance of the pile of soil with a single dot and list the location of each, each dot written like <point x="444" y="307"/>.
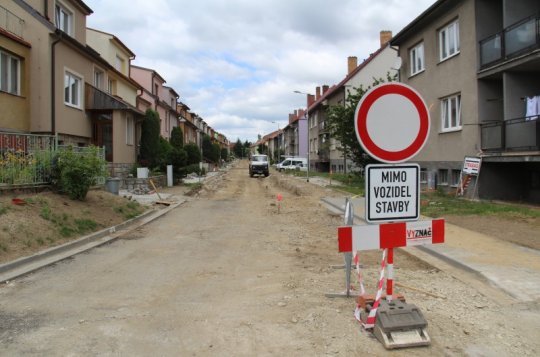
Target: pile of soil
<point x="31" y="222"/>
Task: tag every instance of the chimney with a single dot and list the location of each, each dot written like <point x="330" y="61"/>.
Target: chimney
<point x="352" y="63"/>
<point x="291" y="118"/>
<point x="386" y="36"/>
<point x="300" y="113"/>
<point x="325" y="89"/>
<point x="317" y="93"/>
<point x="310" y="100"/>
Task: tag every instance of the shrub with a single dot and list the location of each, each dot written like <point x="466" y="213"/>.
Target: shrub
<point x="193" y="154"/>
<point x="150" y="145"/>
<point x="76" y="172"/>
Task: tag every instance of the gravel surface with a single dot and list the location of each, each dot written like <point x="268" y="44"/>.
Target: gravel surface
<point x="232" y="273"/>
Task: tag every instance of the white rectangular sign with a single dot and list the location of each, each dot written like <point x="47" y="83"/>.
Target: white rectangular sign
<point x="471" y="165"/>
<point x="392" y="193"/>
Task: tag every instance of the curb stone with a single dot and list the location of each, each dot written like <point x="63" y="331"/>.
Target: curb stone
<point x="28" y="264"/>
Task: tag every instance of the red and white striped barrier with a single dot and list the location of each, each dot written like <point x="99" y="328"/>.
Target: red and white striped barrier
<point x="371" y="319"/>
<point x="390" y="235"/>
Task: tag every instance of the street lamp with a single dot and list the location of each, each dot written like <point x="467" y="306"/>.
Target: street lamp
<point x="308" y="143"/>
<point x="279" y="147"/>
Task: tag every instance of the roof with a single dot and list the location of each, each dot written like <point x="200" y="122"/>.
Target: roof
<point x="358" y="68"/>
<point x="150" y="70"/>
<point x="116" y="39"/>
<point x="423" y="18"/>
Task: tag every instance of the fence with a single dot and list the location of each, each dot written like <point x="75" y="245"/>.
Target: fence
<point x="25" y="159"/>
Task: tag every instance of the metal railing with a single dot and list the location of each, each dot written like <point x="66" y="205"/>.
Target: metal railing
<point x="521" y="134"/>
<point x="25" y="159"/>
<point x="11" y="22"/>
<point x="83" y="150"/>
<point x="511" y="42"/>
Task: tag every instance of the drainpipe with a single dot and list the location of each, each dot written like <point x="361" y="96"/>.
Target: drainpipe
<point x="46" y="9"/>
<point x="53" y="81"/>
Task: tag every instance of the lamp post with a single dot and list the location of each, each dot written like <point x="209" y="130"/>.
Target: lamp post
<point x="278" y="146"/>
<point x="308" y="143"/>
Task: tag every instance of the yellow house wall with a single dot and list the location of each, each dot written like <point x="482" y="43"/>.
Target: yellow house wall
<point x="15" y="109"/>
<point x="71" y="120"/>
<point x="122" y="153"/>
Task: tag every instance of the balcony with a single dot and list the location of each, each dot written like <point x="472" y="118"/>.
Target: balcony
<point x="514" y="135"/>
<point x="520" y="38"/>
<point x="97" y="99"/>
<point x="11" y="22"/>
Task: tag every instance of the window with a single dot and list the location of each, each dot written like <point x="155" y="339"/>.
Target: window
<point x="98" y="78"/>
<point x="456" y="175"/>
<point x="449" y="40"/>
<point x="9" y="73"/>
<point x="119" y="64"/>
<point x="443" y="177"/>
<point x="129" y="130"/>
<point x="416" y="56"/>
<point x="423" y="175"/>
<point x="63" y="18"/>
<point x="111" y="86"/>
<point x="451" y="113"/>
<point x="72" y="89"/>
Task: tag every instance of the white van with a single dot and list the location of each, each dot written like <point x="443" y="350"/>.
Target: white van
<point x="293" y="163"/>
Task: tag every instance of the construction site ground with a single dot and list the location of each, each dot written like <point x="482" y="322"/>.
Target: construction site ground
<point x="234" y="272"/>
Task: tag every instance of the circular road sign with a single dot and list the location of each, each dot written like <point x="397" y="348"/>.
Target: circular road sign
<point x="392" y="122"/>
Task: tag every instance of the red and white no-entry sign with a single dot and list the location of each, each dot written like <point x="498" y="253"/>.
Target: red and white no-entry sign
<point x="392" y="122"/>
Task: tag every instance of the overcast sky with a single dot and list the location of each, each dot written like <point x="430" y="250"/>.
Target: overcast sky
<point x="236" y="63"/>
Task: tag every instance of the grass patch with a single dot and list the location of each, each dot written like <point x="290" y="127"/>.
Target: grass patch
<point x="129" y="210"/>
<point x="351" y="183"/>
<point x="3" y="209"/>
<point x="193" y="188"/>
<point x="438" y="204"/>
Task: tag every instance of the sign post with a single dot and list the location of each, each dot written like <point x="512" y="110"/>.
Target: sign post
<point x="392" y="125"/>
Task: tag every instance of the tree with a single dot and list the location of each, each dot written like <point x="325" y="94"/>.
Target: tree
<point x="150" y="139"/>
<point x="193" y="153"/>
<point x="207" y="147"/>
<point x="177" y="137"/>
<point x="247" y="146"/>
<point x="224" y="154"/>
<point x="164" y="154"/>
<point x="341" y="122"/>
<point x="238" y="149"/>
<point x="263" y="149"/>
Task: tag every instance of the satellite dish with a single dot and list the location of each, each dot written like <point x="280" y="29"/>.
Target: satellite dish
<point x="397" y="63"/>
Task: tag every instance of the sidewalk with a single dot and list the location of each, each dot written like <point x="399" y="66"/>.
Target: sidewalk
<point x="506" y="266"/>
<point x="173" y="196"/>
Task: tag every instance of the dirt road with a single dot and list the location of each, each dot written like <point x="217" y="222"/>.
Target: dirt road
<point x="227" y="275"/>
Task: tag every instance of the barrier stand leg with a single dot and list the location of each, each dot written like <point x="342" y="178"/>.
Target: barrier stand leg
<point x="389" y="274"/>
<point x="349" y="220"/>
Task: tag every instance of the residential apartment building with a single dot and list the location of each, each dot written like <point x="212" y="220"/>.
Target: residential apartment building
<point x="153" y="91"/>
<point x="294" y="135"/>
<point x="53" y="82"/>
<point x="15" y="71"/>
<point x="325" y="151"/>
<point x="111" y="100"/>
<point x="476" y="62"/>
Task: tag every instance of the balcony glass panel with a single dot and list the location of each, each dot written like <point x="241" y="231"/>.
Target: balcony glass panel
<point x="491" y="50"/>
<point x="520" y="37"/>
<point x="492" y="136"/>
<point x="521" y="134"/>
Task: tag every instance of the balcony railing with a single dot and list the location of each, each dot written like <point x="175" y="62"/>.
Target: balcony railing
<point x="522" y="134"/>
<point x="11" y="22"/>
<point x="100" y="100"/>
<point x="515" y="40"/>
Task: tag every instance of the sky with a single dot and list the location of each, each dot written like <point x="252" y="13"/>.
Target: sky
<point x="237" y="63"/>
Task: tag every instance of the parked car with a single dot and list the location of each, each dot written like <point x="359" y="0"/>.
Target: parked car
<point x="258" y="164"/>
<point x="293" y="163"/>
